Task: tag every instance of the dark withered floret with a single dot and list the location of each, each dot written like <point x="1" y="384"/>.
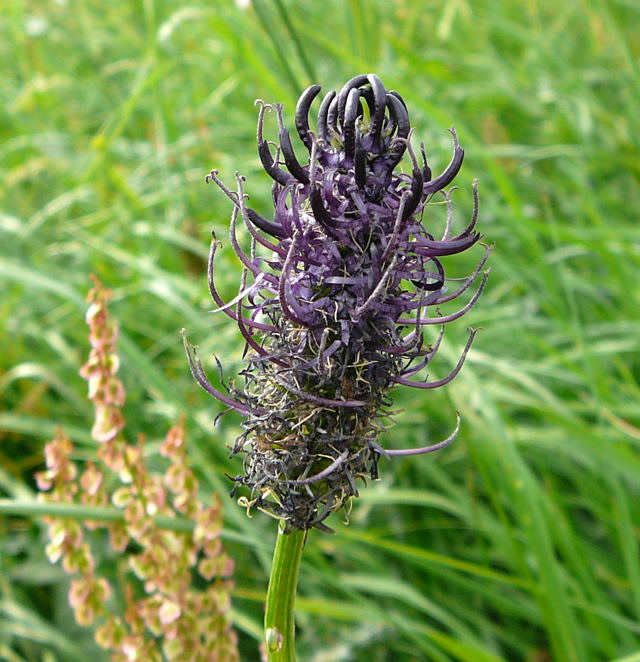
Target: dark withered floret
<point x="333" y="311"/>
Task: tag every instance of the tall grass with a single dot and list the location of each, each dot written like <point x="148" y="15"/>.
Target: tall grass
<point x="520" y="543"/>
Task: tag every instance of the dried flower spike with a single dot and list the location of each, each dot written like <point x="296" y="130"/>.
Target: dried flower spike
<point x="333" y="317"/>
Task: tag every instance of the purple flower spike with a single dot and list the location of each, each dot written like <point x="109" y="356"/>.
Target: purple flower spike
<point x="333" y="309"/>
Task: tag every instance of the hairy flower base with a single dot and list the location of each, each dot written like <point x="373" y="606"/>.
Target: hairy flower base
<point x="333" y="316"/>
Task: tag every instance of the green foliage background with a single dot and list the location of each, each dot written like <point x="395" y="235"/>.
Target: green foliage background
<point x="520" y="542"/>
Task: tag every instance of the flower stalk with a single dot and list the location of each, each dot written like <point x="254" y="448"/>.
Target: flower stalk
<point x="279" y="622"/>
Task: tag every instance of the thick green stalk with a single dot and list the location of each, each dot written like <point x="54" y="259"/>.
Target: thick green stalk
<point x="279" y="624"/>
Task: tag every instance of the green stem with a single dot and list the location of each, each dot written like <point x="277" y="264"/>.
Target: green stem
<point x="279" y="624"/>
<point x="81" y="512"/>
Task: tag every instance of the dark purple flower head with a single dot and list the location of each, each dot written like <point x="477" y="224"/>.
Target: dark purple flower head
<point x="333" y="310"/>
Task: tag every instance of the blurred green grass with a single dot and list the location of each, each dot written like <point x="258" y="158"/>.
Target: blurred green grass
<point x="519" y="543"/>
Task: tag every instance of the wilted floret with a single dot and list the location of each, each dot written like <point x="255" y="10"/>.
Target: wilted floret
<point x="333" y="315"/>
